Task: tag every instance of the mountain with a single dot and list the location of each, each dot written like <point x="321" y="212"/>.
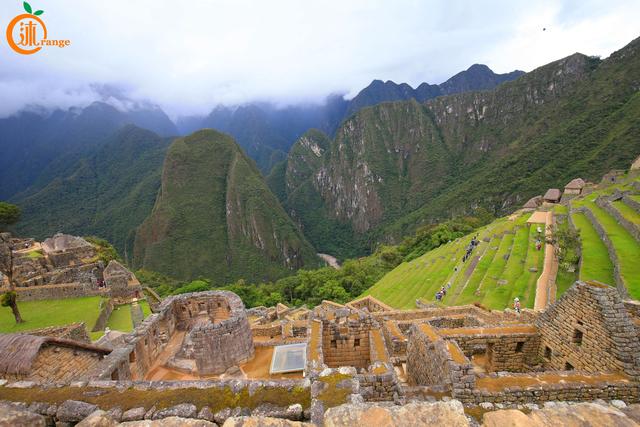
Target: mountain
<point x="107" y="193"/>
<point x="397" y="165"/>
<point x="267" y="132"/>
<point x="215" y="217"/>
<point x="476" y="77"/>
<point x="39" y="146"/>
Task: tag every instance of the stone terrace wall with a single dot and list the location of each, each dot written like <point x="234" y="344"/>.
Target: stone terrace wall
<point x="484" y="316"/>
<point x="272" y="330"/>
<point x="571" y="389"/>
<point x="629" y="201"/>
<point x="71" y="290"/>
<point x="608" y="338"/>
<point x="632" y="228"/>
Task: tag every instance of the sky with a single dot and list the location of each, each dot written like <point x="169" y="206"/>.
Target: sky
<point x="189" y="56"/>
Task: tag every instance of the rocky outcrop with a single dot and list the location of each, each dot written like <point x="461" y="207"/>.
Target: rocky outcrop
<point x="449" y="414"/>
<point x="259" y="421"/>
<point x="11" y="416"/>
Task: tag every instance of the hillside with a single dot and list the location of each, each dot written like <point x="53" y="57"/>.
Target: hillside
<point x="506" y="264"/>
<point x="107" y="193"/>
<point x="39" y="146"/>
<point x="397" y="165"/>
<point x="215" y="217"/>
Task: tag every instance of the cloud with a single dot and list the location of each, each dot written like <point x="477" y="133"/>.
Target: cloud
<point x="191" y="56"/>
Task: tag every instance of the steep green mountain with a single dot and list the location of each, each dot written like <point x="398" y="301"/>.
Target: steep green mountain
<point x="396" y="165"/>
<point x="107" y="194"/>
<point x="215" y="217"/>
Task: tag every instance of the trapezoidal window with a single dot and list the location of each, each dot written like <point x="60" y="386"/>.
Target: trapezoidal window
<point x="356" y="342"/>
<point x="519" y="347"/>
<point x="334" y="344"/>
<point x="568" y="366"/>
<point x="577" y="337"/>
<point x="547" y="353"/>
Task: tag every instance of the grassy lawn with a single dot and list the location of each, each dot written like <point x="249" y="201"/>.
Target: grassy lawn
<point x="494" y="294"/>
<point x="40" y="314"/>
<point x="564" y="280"/>
<point x="146" y="310"/>
<point x="560" y="210"/>
<point x="596" y="264"/>
<point x="35" y="254"/>
<point x="120" y="319"/>
<point x="626" y="247"/>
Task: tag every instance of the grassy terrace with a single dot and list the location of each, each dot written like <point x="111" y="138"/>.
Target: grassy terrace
<point x="626" y="247"/>
<point x="40" y="314"/>
<point x="496" y="272"/>
<point x="596" y="264"/>
<point x="627" y="212"/>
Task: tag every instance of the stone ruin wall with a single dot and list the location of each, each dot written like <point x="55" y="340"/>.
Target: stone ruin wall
<point x="486" y="317"/>
<point x="507" y="352"/>
<point x="71" y="290"/>
<point x="609" y="341"/>
<point x="347" y="343"/>
<point x="74" y="332"/>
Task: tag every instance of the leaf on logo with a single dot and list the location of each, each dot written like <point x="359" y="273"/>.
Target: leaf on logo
<point x="38" y="12"/>
<point x="27" y="7"/>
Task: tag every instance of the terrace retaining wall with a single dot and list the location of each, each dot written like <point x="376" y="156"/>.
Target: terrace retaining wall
<point x="71" y="290"/>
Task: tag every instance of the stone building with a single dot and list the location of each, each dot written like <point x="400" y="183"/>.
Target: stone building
<point x="553" y="195"/>
<point x="574" y="187"/>
<point x="64" y="250"/>
<point x="120" y="282"/>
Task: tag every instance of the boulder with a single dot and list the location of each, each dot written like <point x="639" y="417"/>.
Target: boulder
<point x="293" y="412"/>
<point x="169" y="422"/>
<point x="578" y="415"/>
<point x="450" y="414"/>
<point x="263" y="422"/>
<point x="135" y="414"/>
<point x="206" y="414"/>
<point x="98" y="418"/>
<point x="183" y="410"/>
<point x="73" y="411"/>
<point x="10" y="416"/>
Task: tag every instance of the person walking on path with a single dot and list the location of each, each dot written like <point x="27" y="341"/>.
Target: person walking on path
<point x="516" y="304"/>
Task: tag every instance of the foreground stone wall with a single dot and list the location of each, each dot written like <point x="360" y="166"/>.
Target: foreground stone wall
<point x="346" y="342"/>
<point x="589" y="329"/>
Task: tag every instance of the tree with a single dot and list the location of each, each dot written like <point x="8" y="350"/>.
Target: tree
<point x="10" y="299"/>
<point x="9" y="214"/>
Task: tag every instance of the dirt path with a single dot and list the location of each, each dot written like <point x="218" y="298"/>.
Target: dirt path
<point x="546" y="285"/>
<point x="331" y="260"/>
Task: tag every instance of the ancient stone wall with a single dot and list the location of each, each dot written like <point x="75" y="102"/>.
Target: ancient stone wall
<point x="632" y="228"/>
<point x="483" y="316"/>
<point x="505" y="351"/>
<point x="272" y="330"/>
<point x="74" y="332"/>
<point x="71" y="290"/>
<point x="103" y="318"/>
<point x="629" y="201"/>
<point x="345" y="342"/>
<point x="539" y="388"/>
<point x="589" y="329"/>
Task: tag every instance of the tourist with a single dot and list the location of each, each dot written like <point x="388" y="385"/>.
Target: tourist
<point x="516" y="305"/>
<point x="438" y="296"/>
<point x="443" y="291"/>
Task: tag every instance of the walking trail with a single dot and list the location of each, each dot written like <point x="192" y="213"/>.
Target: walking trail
<point x="546" y="285"/>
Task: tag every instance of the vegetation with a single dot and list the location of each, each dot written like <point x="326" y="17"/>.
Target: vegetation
<point x="596" y="264"/>
<point x="9" y="215"/>
<point x="106" y="251"/>
<point x="120" y="319"/>
<point x="41" y="314"/>
<point x="216" y="218"/>
<point x="10" y="299"/>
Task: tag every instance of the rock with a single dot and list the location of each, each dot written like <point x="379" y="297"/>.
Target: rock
<point x="115" y="413"/>
<point x="134" y="414"/>
<point x="486" y="405"/>
<point x="206" y="414"/>
<point x="41" y="408"/>
<point x="618" y="404"/>
<point x="504" y="418"/>
<point x="73" y="411"/>
<point x="263" y="422"/>
<point x="149" y="414"/>
<point x="12" y="417"/>
<point x="268" y="410"/>
<point x="169" y="422"/>
<point x="183" y="410"/>
<point x="98" y="418"/>
<point x="21" y="384"/>
<point x="221" y="416"/>
<point x="578" y="415"/>
<point x="294" y="412"/>
<point x="450" y="414"/>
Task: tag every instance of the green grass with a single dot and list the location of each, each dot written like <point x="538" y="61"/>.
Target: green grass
<point x="120" y="319"/>
<point x="626" y="246"/>
<point x="627" y="212"/>
<point x="596" y="264"/>
<point x="560" y="210"/>
<point x="146" y="310"/>
<point x="564" y="280"/>
<point x="41" y="314"/>
<point x="35" y="254"/>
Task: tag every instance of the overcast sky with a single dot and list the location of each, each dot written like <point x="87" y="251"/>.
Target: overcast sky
<point x="189" y="56"/>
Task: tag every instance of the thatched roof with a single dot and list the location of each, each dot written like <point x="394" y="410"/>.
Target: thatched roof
<point x="533" y="203"/>
<point x="18" y="351"/>
<point x="552" y="194"/>
<point x="115" y="269"/>
<point x="575" y="184"/>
